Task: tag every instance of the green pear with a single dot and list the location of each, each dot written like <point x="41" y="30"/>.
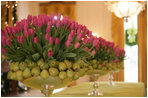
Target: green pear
<point x="53" y="71"/>
<point x="80" y="62"/>
<point x="62" y="75"/>
<point x="40" y="62"/>
<point x="9" y="75"/>
<point x="76" y="66"/>
<point x="19" y="75"/>
<point x="27" y="61"/>
<point x="14" y="66"/>
<point x="26" y="73"/>
<point x="100" y="67"/>
<point x="62" y="66"/>
<point x="90" y="67"/>
<point x="13" y="76"/>
<point x="82" y="72"/>
<point x="94" y="61"/>
<point x="95" y="66"/>
<point x="53" y="63"/>
<point x="31" y="65"/>
<point x="11" y="65"/>
<point x="22" y="66"/>
<point x="76" y="76"/>
<point x="104" y="68"/>
<point x="70" y="73"/>
<point x="68" y="63"/>
<point x="35" y="71"/>
<point x="44" y="74"/>
<point x="45" y="66"/>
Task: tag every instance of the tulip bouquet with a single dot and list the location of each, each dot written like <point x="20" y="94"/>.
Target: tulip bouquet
<point x="44" y="46"/>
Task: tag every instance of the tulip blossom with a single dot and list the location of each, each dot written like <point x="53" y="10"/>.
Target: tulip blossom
<point x="68" y="43"/>
<point x="50" y="40"/>
<point x="79" y="36"/>
<point x="86" y="48"/>
<point x="40" y="24"/>
<point x="48" y="29"/>
<point x="20" y="39"/>
<point x="117" y="60"/>
<point x="29" y="18"/>
<point x="26" y="34"/>
<point x="103" y="64"/>
<point x="46" y="36"/>
<point x="57" y="41"/>
<point x="8" y="42"/>
<point x="35" y="40"/>
<point x="108" y="50"/>
<point x="85" y="40"/>
<point x="3" y="51"/>
<point x="70" y="37"/>
<point x="31" y="31"/>
<point x="95" y="42"/>
<point x="49" y="53"/>
<point x="94" y="52"/>
<point x="35" y="23"/>
<point x="58" y="24"/>
<point x="77" y="45"/>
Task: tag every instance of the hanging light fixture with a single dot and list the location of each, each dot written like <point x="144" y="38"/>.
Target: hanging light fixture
<point x="126" y="8"/>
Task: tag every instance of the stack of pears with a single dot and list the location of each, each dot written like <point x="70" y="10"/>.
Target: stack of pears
<point x="66" y="69"/>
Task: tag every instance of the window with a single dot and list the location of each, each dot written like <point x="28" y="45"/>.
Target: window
<point x="131" y="49"/>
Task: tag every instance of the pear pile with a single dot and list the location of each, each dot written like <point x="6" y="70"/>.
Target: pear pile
<point x="66" y="69"/>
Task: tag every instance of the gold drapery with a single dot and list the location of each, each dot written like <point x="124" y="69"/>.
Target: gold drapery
<point x="63" y="7"/>
<point x="142" y="46"/>
<point x="118" y="38"/>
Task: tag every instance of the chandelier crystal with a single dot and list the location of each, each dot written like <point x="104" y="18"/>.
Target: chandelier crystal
<point x="126" y="8"/>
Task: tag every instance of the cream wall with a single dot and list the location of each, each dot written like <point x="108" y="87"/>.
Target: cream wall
<point x="27" y="7"/>
<point x="93" y="14"/>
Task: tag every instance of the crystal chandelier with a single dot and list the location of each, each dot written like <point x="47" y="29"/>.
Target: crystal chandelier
<point x="126" y="8"/>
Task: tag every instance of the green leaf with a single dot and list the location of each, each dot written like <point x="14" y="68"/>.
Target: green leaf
<point x="36" y="56"/>
<point x="69" y="55"/>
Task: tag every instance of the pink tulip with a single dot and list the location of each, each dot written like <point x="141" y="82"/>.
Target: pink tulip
<point x="31" y="31"/>
<point x="46" y="36"/>
<point x="85" y="40"/>
<point x="86" y="48"/>
<point x="78" y="30"/>
<point x="20" y="39"/>
<point x="79" y="36"/>
<point x="26" y="34"/>
<point x="49" y="53"/>
<point x="72" y="25"/>
<point x="70" y="37"/>
<point x="29" y="18"/>
<point x="105" y="48"/>
<point x="8" y="42"/>
<point x="35" y="21"/>
<point x="117" y="60"/>
<point x="40" y="23"/>
<point x="57" y="41"/>
<point x="94" y="52"/>
<point x="35" y="40"/>
<point x="53" y="21"/>
<point x="50" y="40"/>
<point x="26" y="26"/>
<point x="3" y="51"/>
<point x="108" y="50"/>
<point x="68" y="43"/>
<point x="72" y="32"/>
<point x="95" y="42"/>
<point x="48" y="29"/>
<point x="103" y="64"/>
<point x="49" y="24"/>
<point x="58" y="24"/>
<point x="14" y="30"/>
<point x="77" y="45"/>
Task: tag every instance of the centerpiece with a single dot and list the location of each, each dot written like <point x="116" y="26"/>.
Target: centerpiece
<point x="48" y="53"/>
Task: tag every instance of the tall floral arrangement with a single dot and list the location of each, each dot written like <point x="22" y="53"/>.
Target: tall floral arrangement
<point x="43" y="46"/>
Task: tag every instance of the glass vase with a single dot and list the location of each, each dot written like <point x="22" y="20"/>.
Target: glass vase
<point x="47" y="90"/>
<point x="111" y="77"/>
<point x="95" y="91"/>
